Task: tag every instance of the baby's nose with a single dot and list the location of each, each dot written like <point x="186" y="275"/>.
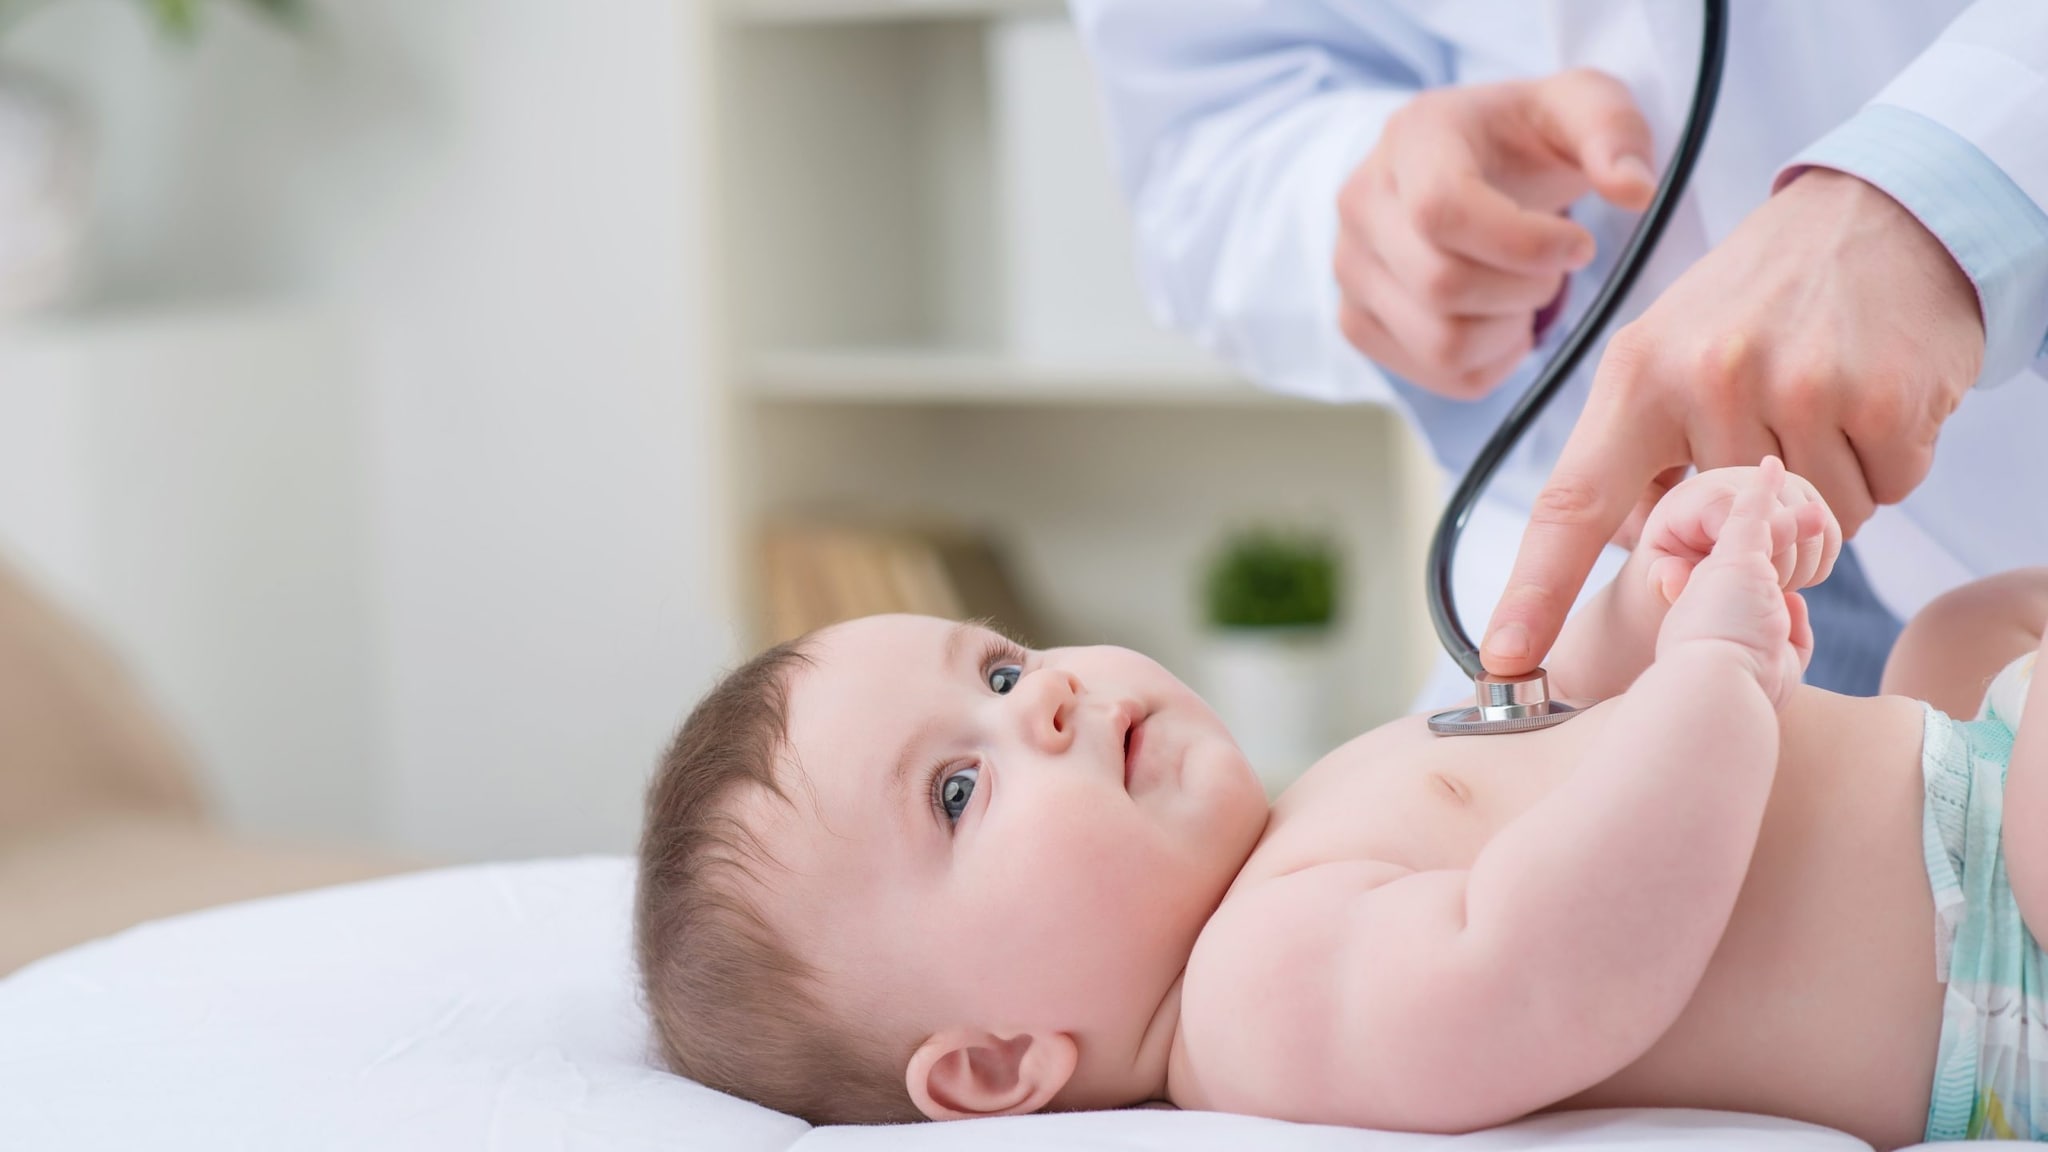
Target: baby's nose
<point x="1052" y="699"/>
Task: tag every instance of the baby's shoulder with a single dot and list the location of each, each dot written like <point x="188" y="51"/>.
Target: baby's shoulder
<point x="1263" y="931"/>
<point x="1259" y="921"/>
<point x="1250" y="996"/>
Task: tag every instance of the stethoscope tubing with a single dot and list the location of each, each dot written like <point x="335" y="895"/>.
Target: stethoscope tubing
<point x="1443" y="545"/>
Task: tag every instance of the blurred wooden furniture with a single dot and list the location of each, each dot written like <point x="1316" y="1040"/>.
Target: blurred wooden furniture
<point x="819" y="572"/>
<point x="101" y="824"/>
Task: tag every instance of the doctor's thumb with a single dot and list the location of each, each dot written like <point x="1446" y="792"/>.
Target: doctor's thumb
<point x="1625" y="181"/>
<point x="1592" y="117"/>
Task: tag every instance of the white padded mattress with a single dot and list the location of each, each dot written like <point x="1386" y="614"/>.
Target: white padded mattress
<point x="493" y="1008"/>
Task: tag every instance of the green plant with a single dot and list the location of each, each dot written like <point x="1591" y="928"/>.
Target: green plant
<point x="1266" y="577"/>
<point x="180" y="18"/>
<point x="177" y="19"/>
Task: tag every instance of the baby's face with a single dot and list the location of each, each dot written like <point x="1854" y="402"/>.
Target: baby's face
<point x="1004" y="839"/>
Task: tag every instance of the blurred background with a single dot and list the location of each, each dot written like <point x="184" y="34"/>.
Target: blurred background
<point x="423" y="402"/>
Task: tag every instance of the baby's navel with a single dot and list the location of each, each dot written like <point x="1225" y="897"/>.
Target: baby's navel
<point x="1452" y="787"/>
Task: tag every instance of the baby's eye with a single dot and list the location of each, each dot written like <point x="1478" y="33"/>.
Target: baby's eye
<point x="1004" y="677"/>
<point x="956" y="790"/>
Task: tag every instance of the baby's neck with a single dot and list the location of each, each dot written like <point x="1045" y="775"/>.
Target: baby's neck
<point x="1183" y="1087"/>
<point x="1161" y="1061"/>
<point x="1161" y="1047"/>
<point x="1177" y="1083"/>
<point x="1128" y="1077"/>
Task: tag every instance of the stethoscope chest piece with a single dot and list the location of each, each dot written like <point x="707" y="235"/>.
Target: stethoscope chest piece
<point x="1505" y="704"/>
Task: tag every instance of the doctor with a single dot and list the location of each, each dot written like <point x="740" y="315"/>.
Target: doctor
<point x="1388" y="200"/>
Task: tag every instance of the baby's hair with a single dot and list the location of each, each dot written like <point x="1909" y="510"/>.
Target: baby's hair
<point x="734" y="1007"/>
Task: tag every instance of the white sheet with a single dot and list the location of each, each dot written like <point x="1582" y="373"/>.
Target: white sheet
<point x="493" y="1008"/>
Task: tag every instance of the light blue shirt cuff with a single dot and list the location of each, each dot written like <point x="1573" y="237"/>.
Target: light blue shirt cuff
<point x="1996" y="233"/>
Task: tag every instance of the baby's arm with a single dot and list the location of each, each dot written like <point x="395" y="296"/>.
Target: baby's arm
<point x="1451" y="1000"/>
<point x="1608" y="643"/>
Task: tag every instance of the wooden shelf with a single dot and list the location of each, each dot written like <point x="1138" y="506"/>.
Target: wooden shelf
<point x="867" y="11"/>
<point x="917" y="376"/>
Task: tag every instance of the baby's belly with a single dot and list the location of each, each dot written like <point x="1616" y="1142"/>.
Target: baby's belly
<point x="1821" y="1002"/>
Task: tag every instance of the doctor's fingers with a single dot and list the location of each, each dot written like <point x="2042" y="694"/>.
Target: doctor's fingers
<point x="1739" y="407"/>
<point x="1741" y="442"/>
<point x="1461" y="357"/>
<point x="1740" y="399"/>
<point x="1862" y="441"/>
<point x="1448" y="203"/>
<point x="1630" y="533"/>
<point x="1369" y="334"/>
<point x="1620" y="444"/>
<point x="1592" y="117"/>
<point x="1894" y="465"/>
<point x="1446" y="281"/>
<point x="1826" y="458"/>
<point x="1893" y="425"/>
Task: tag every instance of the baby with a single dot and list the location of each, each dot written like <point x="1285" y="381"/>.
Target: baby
<point x="904" y="868"/>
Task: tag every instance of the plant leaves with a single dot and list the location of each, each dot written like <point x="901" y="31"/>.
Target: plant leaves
<point x="1266" y="578"/>
<point x="179" y="19"/>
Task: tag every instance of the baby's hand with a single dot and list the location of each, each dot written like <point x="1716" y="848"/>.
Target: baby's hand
<point x="1741" y="593"/>
<point x="1683" y="527"/>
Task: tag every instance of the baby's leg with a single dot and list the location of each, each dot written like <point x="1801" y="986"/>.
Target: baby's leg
<point x="2026" y="805"/>
<point x="1948" y="656"/>
<point x="1952" y="648"/>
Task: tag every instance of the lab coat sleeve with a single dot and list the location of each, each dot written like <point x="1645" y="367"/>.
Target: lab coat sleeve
<point x="1958" y="138"/>
<point x="1235" y="124"/>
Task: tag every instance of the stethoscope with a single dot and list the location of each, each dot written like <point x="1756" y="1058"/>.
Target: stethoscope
<point x="1520" y="703"/>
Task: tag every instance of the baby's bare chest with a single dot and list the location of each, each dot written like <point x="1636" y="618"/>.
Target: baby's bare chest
<point x="1406" y="797"/>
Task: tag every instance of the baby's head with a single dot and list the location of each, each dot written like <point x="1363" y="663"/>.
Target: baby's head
<point x="904" y="868"/>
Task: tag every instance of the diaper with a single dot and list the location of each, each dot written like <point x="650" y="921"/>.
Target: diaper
<point x="1991" y="1079"/>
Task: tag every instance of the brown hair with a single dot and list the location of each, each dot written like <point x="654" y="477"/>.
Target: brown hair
<point x="733" y="1006"/>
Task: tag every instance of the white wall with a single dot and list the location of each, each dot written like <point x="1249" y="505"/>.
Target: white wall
<point x="545" y="456"/>
<point x="194" y="482"/>
<point x="496" y="204"/>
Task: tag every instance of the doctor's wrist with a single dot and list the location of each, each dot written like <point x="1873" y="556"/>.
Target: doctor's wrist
<point x="1871" y="211"/>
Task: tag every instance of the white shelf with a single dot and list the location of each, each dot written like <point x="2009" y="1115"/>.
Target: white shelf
<point x="916" y="376"/>
<point x="860" y="11"/>
<point x="936" y="316"/>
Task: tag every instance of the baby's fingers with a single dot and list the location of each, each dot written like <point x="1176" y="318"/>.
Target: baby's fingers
<point x="1819" y="531"/>
<point x="1810" y="521"/>
<point x="1748" y="528"/>
<point x="1800" y="635"/>
<point x="1795" y="544"/>
<point x="1668" y="577"/>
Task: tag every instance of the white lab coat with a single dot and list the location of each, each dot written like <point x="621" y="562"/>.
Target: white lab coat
<point x="1236" y="122"/>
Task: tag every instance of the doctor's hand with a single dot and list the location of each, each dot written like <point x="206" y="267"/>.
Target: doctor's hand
<point x="1451" y="237"/>
<point x="1829" y="329"/>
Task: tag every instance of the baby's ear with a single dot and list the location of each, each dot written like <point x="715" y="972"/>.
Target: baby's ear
<point x="962" y="1073"/>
